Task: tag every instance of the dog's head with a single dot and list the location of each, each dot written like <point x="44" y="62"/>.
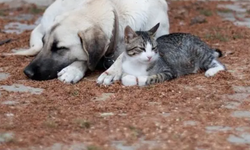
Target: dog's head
<point x="65" y="43"/>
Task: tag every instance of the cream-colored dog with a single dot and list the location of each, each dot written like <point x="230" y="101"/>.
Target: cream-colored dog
<point x="75" y="34"/>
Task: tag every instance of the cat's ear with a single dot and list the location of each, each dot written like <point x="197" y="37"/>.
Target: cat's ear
<point x="129" y="33"/>
<point x="153" y="30"/>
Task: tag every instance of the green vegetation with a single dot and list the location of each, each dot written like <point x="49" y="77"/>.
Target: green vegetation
<point x="223" y="10"/>
<point x="74" y="93"/>
<point x="206" y="12"/>
<point x="216" y="36"/>
<point x="82" y="123"/>
<point x="2" y="13"/>
<point x="50" y="123"/>
<point x="135" y="132"/>
<point x="35" y="10"/>
<point x="92" y="147"/>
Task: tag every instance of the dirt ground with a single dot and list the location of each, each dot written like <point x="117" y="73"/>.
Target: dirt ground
<point x="189" y="113"/>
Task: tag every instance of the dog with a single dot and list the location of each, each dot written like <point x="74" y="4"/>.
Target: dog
<point x="76" y="37"/>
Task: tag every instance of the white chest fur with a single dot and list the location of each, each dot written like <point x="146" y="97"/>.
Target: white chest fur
<point x="134" y="68"/>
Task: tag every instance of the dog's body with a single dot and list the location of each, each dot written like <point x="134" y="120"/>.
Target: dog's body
<point x="77" y="39"/>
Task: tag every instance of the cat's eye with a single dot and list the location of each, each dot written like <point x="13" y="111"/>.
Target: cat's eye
<point x="154" y="48"/>
<point x="142" y="48"/>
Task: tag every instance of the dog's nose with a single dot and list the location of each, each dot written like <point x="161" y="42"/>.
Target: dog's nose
<point x="29" y="72"/>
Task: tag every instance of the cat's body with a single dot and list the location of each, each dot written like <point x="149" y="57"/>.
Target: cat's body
<point x="172" y="56"/>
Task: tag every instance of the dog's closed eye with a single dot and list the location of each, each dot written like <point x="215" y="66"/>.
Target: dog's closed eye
<point x="62" y="48"/>
<point x="43" y="39"/>
<point x="55" y="47"/>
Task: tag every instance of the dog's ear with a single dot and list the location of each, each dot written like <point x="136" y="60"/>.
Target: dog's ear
<point x="95" y="44"/>
<point x="153" y="30"/>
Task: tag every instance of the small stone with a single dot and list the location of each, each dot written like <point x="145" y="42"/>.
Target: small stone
<point x="164" y="114"/>
<point x="21" y="88"/>
<point x="4" y="76"/>
<point x="241" y="114"/>
<point x="6" y="137"/>
<point x="217" y="129"/>
<point x="103" y="97"/>
<point x="231" y="105"/>
<point x="10" y="103"/>
<point x="190" y="123"/>
<point x="9" y="115"/>
<point x="242" y="139"/>
<point x="107" y="114"/>
<point x="198" y="20"/>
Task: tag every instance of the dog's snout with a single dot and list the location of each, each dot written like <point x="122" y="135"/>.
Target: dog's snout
<point x="29" y="72"/>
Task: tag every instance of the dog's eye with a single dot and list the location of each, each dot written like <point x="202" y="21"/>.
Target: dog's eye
<point x="62" y="48"/>
<point x="43" y="39"/>
<point x="55" y="47"/>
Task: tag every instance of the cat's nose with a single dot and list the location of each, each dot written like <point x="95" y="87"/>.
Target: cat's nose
<point x="149" y="58"/>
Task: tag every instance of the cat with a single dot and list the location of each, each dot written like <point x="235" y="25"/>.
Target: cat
<point x="148" y="60"/>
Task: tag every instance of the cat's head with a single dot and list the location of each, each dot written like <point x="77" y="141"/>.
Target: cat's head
<point x="141" y="45"/>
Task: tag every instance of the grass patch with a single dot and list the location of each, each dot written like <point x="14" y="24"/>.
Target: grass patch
<point x="82" y="123"/>
<point x="223" y="10"/>
<point x="237" y="36"/>
<point x="92" y="147"/>
<point x="2" y="13"/>
<point x="135" y="132"/>
<point x="74" y="93"/>
<point x="50" y="123"/>
<point x="206" y="12"/>
<point x="35" y="10"/>
<point x="7" y="138"/>
<point x="216" y="36"/>
<point x="248" y="11"/>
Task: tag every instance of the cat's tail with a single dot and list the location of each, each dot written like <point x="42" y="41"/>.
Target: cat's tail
<point x="217" y="53"/>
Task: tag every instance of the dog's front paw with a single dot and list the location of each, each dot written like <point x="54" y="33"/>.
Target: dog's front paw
<point x="112" y="74"/>
<point x="129" y="80"/>
<point x="107" y="78"/>
<point x="70" y="74"/>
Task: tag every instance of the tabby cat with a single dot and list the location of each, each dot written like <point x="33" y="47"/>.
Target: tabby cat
<point x="148" y="60"/>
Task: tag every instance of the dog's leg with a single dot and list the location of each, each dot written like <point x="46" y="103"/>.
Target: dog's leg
<point x="113" y="73"/>
<point x="36" y="43"/>
<point x="73" y="73"/>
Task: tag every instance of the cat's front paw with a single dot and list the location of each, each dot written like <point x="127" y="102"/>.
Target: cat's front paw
<point x="213" y="71"/>
<point x="129" y="80"/>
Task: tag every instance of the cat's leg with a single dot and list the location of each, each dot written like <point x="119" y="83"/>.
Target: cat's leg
<point x="36" y="43"/>
<point x="214" y="68"/>
<point x="158" y="78"/>
<point x="113" y="73"/>
<point x="129" y="80"/>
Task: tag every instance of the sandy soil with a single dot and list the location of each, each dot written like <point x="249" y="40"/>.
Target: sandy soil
<point x="191" y="112"/>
